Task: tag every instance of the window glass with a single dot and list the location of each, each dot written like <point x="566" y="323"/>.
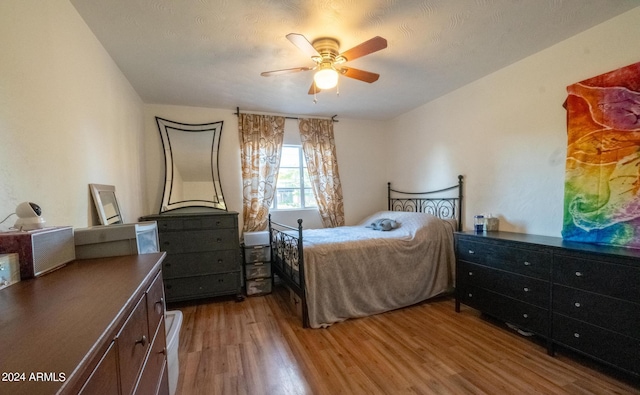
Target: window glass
<point x="288" y="178"/>
<point x="309" y="198"/>
<point x="293" y="189"/>
<point x="290" y="156"/>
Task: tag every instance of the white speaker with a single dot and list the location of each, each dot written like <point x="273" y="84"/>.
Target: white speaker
<point x="40" y="251"/>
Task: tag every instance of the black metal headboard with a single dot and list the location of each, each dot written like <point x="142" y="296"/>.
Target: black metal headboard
<point x="447" y="207"/>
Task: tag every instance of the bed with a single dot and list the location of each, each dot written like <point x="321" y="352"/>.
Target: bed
<point x="356" y="271"/>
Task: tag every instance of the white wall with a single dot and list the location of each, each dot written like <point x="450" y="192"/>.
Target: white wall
<point x="363" y="159"/>
<point x="360" y="150"/>
<point x="506" y="133"/>
<point x="68" y="117"/>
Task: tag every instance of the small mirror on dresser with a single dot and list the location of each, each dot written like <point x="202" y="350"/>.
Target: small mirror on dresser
<point x="192" y="178"/>
<point x="104" y="198"/>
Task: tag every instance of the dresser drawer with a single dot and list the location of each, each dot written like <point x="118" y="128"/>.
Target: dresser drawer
<point x="104" y="378"/>
<point x="611" y="313"/>
<point x="191" y="264"/>
<point x="155" y="365"/>
<point x="199" y="240"/>
<point x="506" y="257"/>
<point x="202" y="286"/>
<point x="259" y="286"/>
<point x="605" y="278"/>
<point x="255" y="254"/>
<point x="605" y="345"/>
<point x="197" y="222"/>
<point x="257" y="270"/>
<point x="526" y="289"/>
<point x="211" y="222"/>
<point x="523" y="315"/>
<point x="155" y="304"/>
<point x="132" y="345"/>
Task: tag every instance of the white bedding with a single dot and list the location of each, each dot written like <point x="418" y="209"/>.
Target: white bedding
<point x="355" y="271"/>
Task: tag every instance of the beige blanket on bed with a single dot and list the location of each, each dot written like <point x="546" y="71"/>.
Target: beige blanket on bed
<point x="354" y="271"/>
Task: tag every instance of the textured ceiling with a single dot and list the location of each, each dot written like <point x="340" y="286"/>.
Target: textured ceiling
<point x="209" y="53"/>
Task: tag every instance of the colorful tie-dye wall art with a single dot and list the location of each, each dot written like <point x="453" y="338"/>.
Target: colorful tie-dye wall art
<point x="602" y="187"/>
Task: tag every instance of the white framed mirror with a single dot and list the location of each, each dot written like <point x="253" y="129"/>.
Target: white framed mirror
<point x="104" y="199"/>
<point x="191" y="173"/>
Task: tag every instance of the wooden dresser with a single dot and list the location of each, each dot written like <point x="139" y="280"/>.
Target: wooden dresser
<point x="93" y="326"/>
<point x="580" y="296"/>
<point x="203" y="254"/>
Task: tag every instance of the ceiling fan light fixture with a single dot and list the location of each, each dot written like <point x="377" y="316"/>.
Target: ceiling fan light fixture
<point x="325" y="53"/>
<point x="326" y="77"/>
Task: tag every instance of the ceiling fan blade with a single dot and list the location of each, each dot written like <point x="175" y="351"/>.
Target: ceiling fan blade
<point x="375" y="44"/>
<point x="361" y="75"/>
<point x="285" y="71"/>
<point x="314" y="88"/>
<point x="303" y="44"/>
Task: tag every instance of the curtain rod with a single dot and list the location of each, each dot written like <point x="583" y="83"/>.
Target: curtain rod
<point x="333" y="118"/>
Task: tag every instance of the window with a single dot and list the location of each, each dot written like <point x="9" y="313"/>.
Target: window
<point x="293" y="190"/>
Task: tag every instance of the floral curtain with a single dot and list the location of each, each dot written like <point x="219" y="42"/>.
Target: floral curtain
<point x="319" y="149"/>
<point x="261" y="147"/>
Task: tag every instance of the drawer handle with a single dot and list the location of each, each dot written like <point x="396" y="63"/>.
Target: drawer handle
<point x="163" y="351"/>
<point x="577" y="304"/>
<point x="472" y="252"/>
<point x="219" y="240"/>
<point x="220" y="261"/>
<point x="471" y="273"/>
<point x="218" y="223"/>
<point x="142" y="341"/>
<point x="167" y="265"/>
<point x="526" y="289"/>
<point x="471" y="295"/>
<point x="576" y="335"/>
<point x="527" y="263"/>
<point x="159" y="306"/>
<point x="578" y="274"/>
<point x="525" y="315"/>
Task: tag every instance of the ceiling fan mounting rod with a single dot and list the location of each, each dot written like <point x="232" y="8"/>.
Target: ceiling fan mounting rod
<point x="328" y="48"/>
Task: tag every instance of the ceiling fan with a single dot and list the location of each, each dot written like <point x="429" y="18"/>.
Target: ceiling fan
<point x="329" y="62"/>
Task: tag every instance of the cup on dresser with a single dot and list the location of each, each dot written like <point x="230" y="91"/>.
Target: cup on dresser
<point x="478" y="223"/>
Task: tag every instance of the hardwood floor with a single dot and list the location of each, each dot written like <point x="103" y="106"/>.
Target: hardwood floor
<point x="259" y="347"/>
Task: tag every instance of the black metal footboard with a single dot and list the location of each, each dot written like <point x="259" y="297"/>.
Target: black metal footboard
<point x="287" y="260"/>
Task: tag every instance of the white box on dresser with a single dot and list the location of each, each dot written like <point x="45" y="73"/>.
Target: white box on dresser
<point x="115" y="240"/>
